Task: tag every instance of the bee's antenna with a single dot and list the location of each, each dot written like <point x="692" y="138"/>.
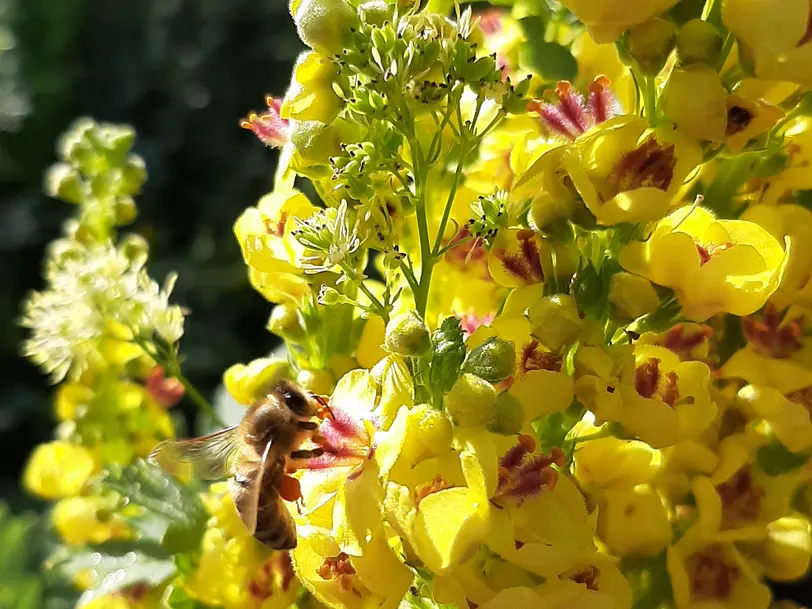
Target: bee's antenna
<point x="324" y="403"/>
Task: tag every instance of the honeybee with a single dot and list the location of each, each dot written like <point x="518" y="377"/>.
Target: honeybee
<point x="258" y="454"/>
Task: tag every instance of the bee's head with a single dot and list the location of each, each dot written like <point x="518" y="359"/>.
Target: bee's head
<point x="295" y="398"/>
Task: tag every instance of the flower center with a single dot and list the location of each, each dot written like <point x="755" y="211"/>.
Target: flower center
<point x="275" y="573"/>
<point x="738" y="119"/>
<point x="522" y="475"/>
<point x="741" y="499"/>
<point x="270" y="128"/>
<point x="649" y="165"/>
<point x="706" y="252"/>
<point x="650" y="382"/>
<point x="533" y="357"/>
<point x="683" y="340"/>
<point x="424" y="490"/>
<point x="344" y="440"/>
<point x="802" y="397"/>
<point x="589" y="576"/>
<point x="770" y="337"/>
<point x="339" y="568"/>
<point x="466" y="256"/>
<point x="571" y="116"/>
<point x="526" y="262"/>
<point x="277" y="229"/>
<point x="712" y="577"/>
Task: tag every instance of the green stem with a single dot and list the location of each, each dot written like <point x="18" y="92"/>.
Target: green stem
<point x="375" y="302"/>
<point x="168" y="359"/>
<point x="421" y="295"/>
<point x="201" y="402"/>
<point x="450" y="201"/>
<point x="650" y="98"/>
<point x="603" y="432"/>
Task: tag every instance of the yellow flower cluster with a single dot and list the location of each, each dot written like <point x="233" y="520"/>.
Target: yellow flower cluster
<point x="556" y="282"/>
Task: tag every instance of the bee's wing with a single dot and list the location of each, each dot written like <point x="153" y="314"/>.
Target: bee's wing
<point x="249" y="514"/>
<point x="206" y="458"/>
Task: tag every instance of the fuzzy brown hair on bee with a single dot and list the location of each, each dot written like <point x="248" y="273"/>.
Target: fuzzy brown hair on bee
<point x="257" y="455"/>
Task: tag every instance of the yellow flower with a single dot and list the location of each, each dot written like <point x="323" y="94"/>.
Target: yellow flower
<point x="668" y="399"/>
<point x="548" y="534"/>
<point x="606" y="20"/>
<point x="633" y="522"/>
<point x="795" y="174"/>
<point x="248" y="383"/>
<point x="109" y="601"/>
<point x="748" y="118"/>
<point x="738" y="504"/>
<point x="614" y="463"/>
<point x="714" y="266"/>
<point x="784" y="555"/>
<point x="311" y="96"/>
<point x="625" y="173"/>
<point x="272" y="254"/>
<point x="777" y="354"/>
<point x="787" y="415"/>
<point x="774" y="36"/>
<point x="81" y="520"/>
<point x="795" y="222"/>
<point x="58" y="469"/>
<point x="234" y="570"/>
<point x="712" y="574"/>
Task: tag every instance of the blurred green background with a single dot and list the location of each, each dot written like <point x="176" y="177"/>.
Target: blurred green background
<point x="182" y="72"/>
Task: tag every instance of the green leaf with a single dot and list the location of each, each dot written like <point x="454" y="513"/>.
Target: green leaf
<point x="116" y="564"/>
<point x="448" y="354"/>
<point x="550" y="59"/>
<point x="553" y="429"/>
<point x="171" y="514"/>
<point x="775" y="459"/>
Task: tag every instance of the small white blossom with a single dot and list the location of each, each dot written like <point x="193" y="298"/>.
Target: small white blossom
<point x="88" y="287"/>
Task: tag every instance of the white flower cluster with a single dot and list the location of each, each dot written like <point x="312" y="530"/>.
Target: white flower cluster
<point x="92" y="291"/>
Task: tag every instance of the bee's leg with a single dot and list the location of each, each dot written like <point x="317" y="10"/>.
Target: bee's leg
<point x="299" y="459"/>
<point x="307" y="425"/>
<point x="289" y="488"/>
<point x="307" y="454"/>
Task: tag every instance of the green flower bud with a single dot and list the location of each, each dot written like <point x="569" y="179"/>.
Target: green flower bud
<point x="324" y="25"/>
<point x="471" y="401"/>
<point x="508" y="417"/>
<point x="650" y="43"/>
<point x="699" y="42"/>
<point x="407" y="335"/>
<point x="63" y="182"/>
<point x="319" y="382"/>
<point x="286" y="322"/>
<point x="133" y="174"/>
<point x="135" y="248"/>
<point x="125" y="210"/>
<point x="493" y="360"/>
<point x="375" y="12"/>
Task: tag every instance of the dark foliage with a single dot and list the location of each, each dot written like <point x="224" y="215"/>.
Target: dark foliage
<point x="182" y="72"/>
